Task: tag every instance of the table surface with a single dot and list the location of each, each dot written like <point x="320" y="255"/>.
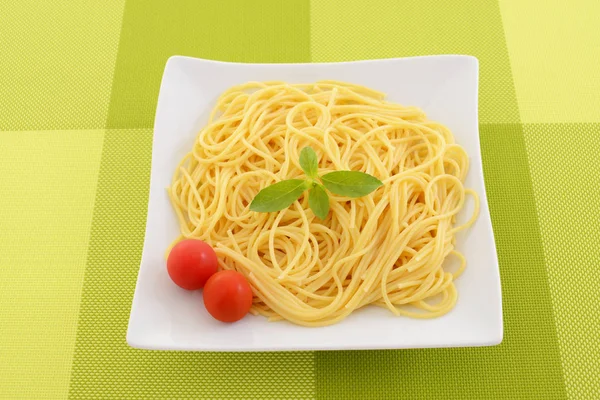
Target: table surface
<point x="78" y="87"/>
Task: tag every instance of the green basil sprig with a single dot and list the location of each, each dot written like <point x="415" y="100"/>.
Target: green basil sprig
<point x="281" y="195"/>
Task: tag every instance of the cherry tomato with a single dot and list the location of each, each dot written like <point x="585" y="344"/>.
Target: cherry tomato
<point x="190" y="263"/>
<point x="227" y="296"/>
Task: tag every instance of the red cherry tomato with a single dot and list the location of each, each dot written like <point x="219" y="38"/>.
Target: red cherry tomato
<point x="190" y="264"/>
<point x="227" y="296"/>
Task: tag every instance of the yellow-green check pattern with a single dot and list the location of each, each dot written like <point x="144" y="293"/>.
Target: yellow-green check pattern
<point x="78" y="88"/>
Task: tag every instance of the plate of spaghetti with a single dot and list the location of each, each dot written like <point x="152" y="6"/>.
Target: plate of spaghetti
<point x="317" y="207"/>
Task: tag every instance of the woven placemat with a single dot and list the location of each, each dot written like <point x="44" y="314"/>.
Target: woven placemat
<point x="78" y="89"/>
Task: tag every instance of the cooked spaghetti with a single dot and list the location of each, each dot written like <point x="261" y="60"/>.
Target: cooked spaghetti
<point x="387" y="248"/>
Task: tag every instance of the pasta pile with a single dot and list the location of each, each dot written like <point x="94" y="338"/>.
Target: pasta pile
<point x="387" y="248"/>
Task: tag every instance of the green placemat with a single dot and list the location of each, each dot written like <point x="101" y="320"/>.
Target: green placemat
<point x="78" y="88"/>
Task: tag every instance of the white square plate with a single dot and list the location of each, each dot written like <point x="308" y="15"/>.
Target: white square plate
<point x="166" y="317"/>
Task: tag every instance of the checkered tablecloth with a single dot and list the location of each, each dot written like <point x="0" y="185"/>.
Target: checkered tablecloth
<point x="78" y="87"/>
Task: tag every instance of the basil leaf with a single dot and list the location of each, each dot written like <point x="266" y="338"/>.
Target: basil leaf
<point x="318" y="200"/>
<point x="278" y="196"/>
<point x="309" y="162"/>
<point x="350" y="183"/>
